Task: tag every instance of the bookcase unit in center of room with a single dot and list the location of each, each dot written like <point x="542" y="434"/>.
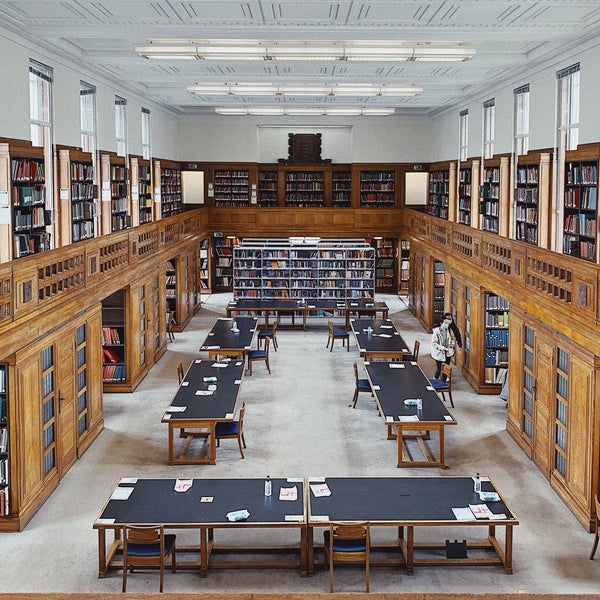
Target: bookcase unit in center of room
<point x="303" y="268"/>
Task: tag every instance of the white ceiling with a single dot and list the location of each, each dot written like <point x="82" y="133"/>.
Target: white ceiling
<point x="508" y="36"/>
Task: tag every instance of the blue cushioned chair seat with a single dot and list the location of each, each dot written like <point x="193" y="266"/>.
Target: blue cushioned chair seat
<point x="257" y="354"/>
<point x="340" y="332"/>
<point x="263" y="333"/>
<point x="150" y="549"/>
<point x="227" y="428"/>
<point x="345" y="545"/>
<point x="364" y="385"/>
<point x="438" y="384"/>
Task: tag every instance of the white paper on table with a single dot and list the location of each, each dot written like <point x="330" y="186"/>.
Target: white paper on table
<point x="408" y="418"/>
<point x="396" y="365"/>
<point x="498" y="517"/>
<point x="237" y="381"/>
<point x="183" y="485"/>
<point x="386" y="327"/>
<point x="210" y="347"/>
<point x="167" y="416"/>
<point x="320" y="490"/>
<point x="198" y="361"/>
<point x="463" y="514"/>
<point x="319" y="518"/>
<point x="238" y="363"/>
<point x="212" y="333"/>
<point x="384" y="335"/>
<point x="121" y="493"/>
<point x="288" y="493"/>
<point x="185" y="383"/>
<point x="429" y="387"/>
<point x="376" y="387"/>
<point x="448" y="418"/>
<point x="204" y="392"/>
<point x="104" y="521"/>
<point x="220" y="365"/>
<point x="389" y="419"/>
<point x="294" y="518"/>
<point x="316" y="479"/>
<point x="229" y="416"/>
<point x="173" y="409"/>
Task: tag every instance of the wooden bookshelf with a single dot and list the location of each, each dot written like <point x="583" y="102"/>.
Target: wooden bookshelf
<point x="204" y="266"/>
<point x="438" y="199"/>
<point x="166" y="188"/>
<point x="439" y="283"/>
<point x="304" y="188"/>
<point x="377" y="188"/>
<point x="114" y="358"/>
<point x="268" y="185"/>
<point x="404" y="285"/>
<point x="223" y="263"/>
<point x="465" y="194"/>
<point x="386" y="261"/>
<point x="77" y="193"/>
<point x="231" y="187"/>
<point x="341" y="186"/>
<point x="495" y="339"/>
<point x="580" y="207"/>
<point x="114" y="203"/>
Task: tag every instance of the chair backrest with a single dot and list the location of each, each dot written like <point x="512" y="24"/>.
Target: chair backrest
<point x="447" y="371"/>
<point x="416" y="348"/>
<point x="357" y="531"/>
<point x="330" y="325"/>
<point x="356" y="373"/>
<point x="143" y="534"/>
<point x="241" y="417"/>
<point x="274" y="328"/>
<point x="180" y="373"/>
<point x="267" y="342"/>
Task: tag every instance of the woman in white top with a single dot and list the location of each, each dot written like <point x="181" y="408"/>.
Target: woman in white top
<point x="443" y="346"/>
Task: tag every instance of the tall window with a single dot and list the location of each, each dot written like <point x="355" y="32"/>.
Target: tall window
<point x="87" y="104"/>
<point x="40" y="103"/>
<point x="121" y="125"/>
<point x="489" y="122"/>
<point x="568" y="106"/>
<point x="463" y="134"/>
<point x="521" y="120"/>
<point x="146" y="150"/>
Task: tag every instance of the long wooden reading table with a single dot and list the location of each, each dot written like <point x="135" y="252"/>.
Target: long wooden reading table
<point x="378" y="339"/>
<point x="394" y="383"/>
<point x="197" y="407"/>
<point x="204" y="506"/>
<point x="306" y="307"/>
<point x="225" y="339"/>
<point x="410" y="503"/>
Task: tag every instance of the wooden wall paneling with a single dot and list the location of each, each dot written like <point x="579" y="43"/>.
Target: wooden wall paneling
<point x="66" y="434"/>
<point x="6" y="293"/>
<point x="63" y="198"/>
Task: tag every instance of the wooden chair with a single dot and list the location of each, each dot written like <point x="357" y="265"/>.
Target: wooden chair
<point x="362" y="385"/>
<point x="349" y="543"/>
<point x="230" y="430"/>
<point x="256" y="355"/>
<point x="263" y="334"/>
<point x="414" y="357"/>
<point x="180" y="373"/>
<point x="444" y="386"/>
<point x="337" y="334"/>
<point x="597" y="534"/>
<point x="147" y="546"/>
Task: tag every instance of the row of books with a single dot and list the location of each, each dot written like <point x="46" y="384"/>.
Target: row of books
<point x="111" y="355"/>
<point x="493" y="302"/>
<point x="113" y="373"/>
<point x="581" y="198"/>
<point x="495" y="375"/>
<point x="28" y="243"/>
<point x="30" y="219"/>
<point x="581" y="174"/>
<point x="26" y="195"/>
<point x="527" y="195"/>
<point x="82" y="210"/>
<point x="495" y="357"/>
<point x="496" y="319"/>
<point x="4" y="471"/>
<point x="83" y="230"/>
<point x="3" y="440"/>
<point x="82" y="191"/>
<point x="496" y="338"/>
<point x="111" y="335"/>
<point x="581" y="225"/>
<point x="27" y="169"/>
<point x="2" y="410"/>
<point x="528" y="174"/>
<point x="82" y="171"/>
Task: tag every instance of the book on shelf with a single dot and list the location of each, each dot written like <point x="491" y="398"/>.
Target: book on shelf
<point x="4" y="506"/>
<point x="109" y="355"/>
<point x="3" y="440"/>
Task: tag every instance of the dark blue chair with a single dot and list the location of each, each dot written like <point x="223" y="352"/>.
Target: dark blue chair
<point x="337" y="334"/>
<point x="414" y="357"/>
<point x="444" y="386"/>
<point x="263" y="334"/>
<point x="347" y="542"/>
<point x="257" y="355"/>
<point x="147" y="546"/>
<point x="362" y="385"/>
<point x="231" y="430"/>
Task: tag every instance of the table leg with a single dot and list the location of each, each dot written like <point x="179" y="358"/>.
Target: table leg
<point x="303" y="551"/>
<point x="410" y="550"/>
<point x="203" y="552"/>
<point x="508" y="549"/>
<point x="441" y="448"/>
<point x="170" y="456"/>
<point x="212" y="441"/>
<point x="310" y="551"/>
<point x="101" y="552"/>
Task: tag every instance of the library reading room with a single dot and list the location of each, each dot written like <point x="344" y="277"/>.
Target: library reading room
<point x="299" y="299"/>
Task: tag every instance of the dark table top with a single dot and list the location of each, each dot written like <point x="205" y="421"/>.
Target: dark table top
<point x="222" y="337"/>
<point x="400" y="499"/>
<point x="394" y="382"/>
<point x="265" y="304"/>
<point x="156" y="501"/>
<point x="202" y="403"/>
<point x="375" y="342"/>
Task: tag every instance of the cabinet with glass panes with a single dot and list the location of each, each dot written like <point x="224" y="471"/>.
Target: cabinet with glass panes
<point x="495" y="339"/>
<point x="465" y="193"/>
<point x="268" y="185"/>
<point x="341" y="185"/>
<point x="304" y="188"/>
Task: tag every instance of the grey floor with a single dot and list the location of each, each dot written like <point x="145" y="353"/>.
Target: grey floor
<point x="298" y="423"/>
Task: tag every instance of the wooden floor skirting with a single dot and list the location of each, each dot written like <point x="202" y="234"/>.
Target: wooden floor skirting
<point x="324" y="596"/>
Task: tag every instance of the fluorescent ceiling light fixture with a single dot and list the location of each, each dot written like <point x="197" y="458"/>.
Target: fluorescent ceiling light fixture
<point x="385" y="50"/>
<point x="305" y="110"/>
<point x="266" y="89"/>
